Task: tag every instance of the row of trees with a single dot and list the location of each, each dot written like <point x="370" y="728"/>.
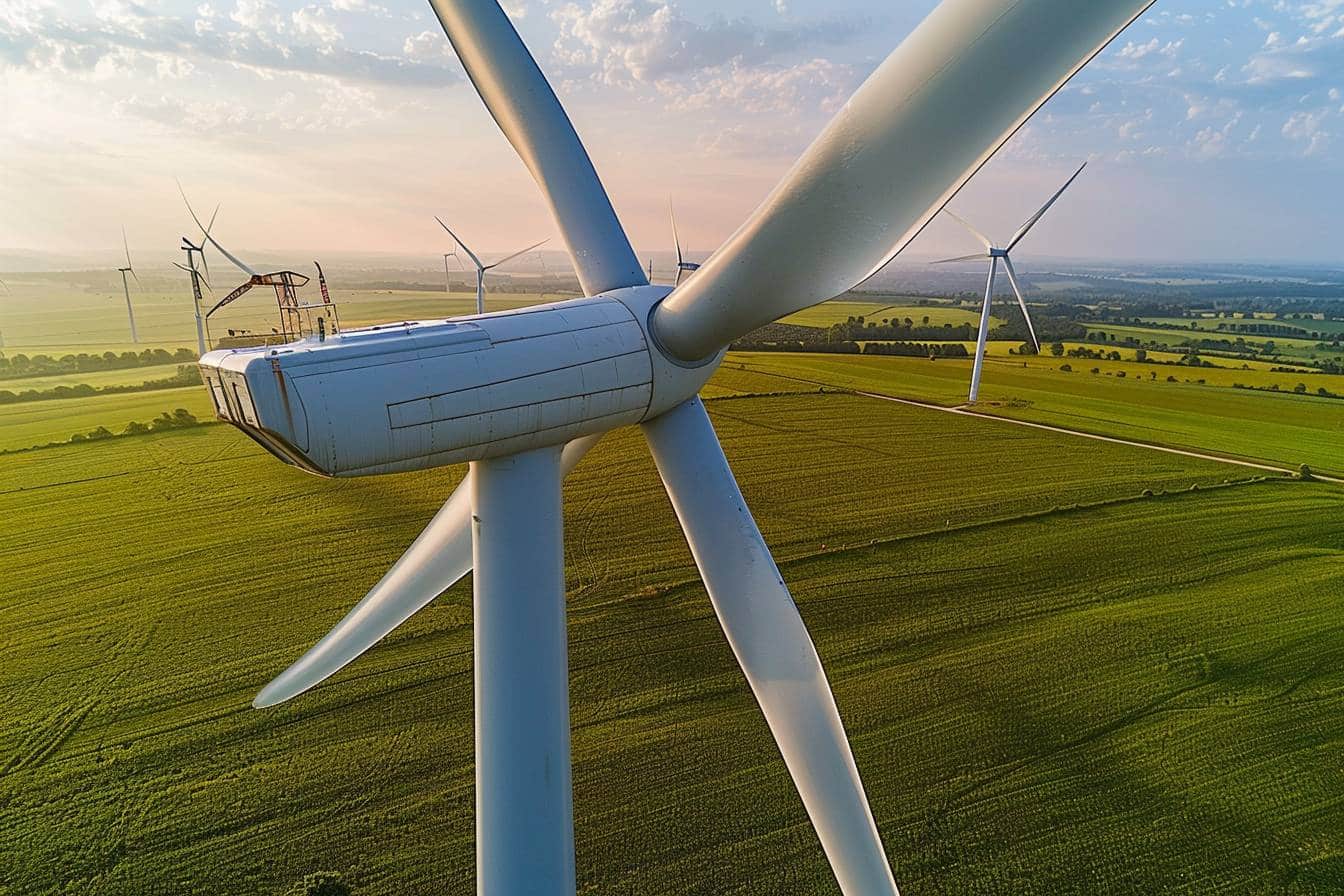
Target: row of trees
<point x="21" y="365"/>
<point x="187" y="375"/>
<point x="849" y="347"/>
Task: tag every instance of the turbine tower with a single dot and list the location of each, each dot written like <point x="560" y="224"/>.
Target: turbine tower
<point x="995" y="255"/>
<point x="482" y="268"/>
<point x="447" y="278"/>
<point x="125" y="286"/>
<point x="197" y="277"/>
<point x="522" y="395"/>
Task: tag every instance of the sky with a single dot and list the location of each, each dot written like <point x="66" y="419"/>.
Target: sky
<point x="1214" y="128"/>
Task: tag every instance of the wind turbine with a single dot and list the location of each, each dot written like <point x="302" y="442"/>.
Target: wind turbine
<point x="197" y="278"/>
<point x="447" y="278"/>
<point x="130" y="311"/>
<point x="683" y="266"/>
<point x="995" y="255"/>
<point x="522" y="395"/>
<point x="482" y="268"/>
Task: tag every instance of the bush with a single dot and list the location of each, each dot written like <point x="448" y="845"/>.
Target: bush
<point x="1304" y="473"/>
<point x="1067" y="368"/>
<point x="321" y="883"/>
<point x="1096" y="370"/>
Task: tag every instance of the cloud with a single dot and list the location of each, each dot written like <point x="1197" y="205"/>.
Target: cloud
<point x="253" y="37"/>
<point x="647" y="41"/>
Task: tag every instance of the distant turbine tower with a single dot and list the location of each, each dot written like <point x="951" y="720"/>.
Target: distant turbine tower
<point x="995" y="255"/>
<point x="683" y="266"/>
<point x="482" y="268"/>
<point x="197" y="278"/>
<point x="130" y="312"/>
<point x="447" y="278"/>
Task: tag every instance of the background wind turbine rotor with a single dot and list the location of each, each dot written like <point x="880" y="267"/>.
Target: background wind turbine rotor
<point x="995" y="255"/>
<point x="481" y="268"/>
<point x="535" y="372"/>
<point x="126" y="287"/>
<point x="683" y="266"/>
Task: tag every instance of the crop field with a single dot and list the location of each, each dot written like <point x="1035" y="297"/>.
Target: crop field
<point x="1053" y="683"/>
<point x="1274" y="427"/>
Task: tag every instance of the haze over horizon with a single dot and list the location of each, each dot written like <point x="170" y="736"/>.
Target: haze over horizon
<point x="1211" y="127"/>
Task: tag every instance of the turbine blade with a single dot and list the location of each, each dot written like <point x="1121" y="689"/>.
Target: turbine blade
<point x="472" y="255"/>
<point x="516" y="254"/>
<point x="1021" y="302"/>
<point x="437" y="559"/>
<point x="205" y="265"/>
<point x="676" y="240"/>
<point x="771" y="644"/>
<point x="531" y="117"/>
<point x="242" y="266"/>
<point x="980" y="256"/>
<point x="6" y="287"/>
<point x="1031" y="222"/>
<point x="127" y="246"/>
<point x="967" y="224"/>
<point x="935" y="111"/>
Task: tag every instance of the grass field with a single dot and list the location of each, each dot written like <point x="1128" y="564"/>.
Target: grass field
<point x="1283" y="428"/>
<point x="1052" y="684"/>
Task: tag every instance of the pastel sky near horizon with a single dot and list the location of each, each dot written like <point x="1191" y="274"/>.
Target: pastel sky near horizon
<point x="1215" y="128"/>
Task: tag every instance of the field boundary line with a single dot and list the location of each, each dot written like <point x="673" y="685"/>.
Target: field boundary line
<point x="1115" y="440"/>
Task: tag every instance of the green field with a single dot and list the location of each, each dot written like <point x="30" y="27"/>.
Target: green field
<point x="889" y="307"/>
<point x="1052" y="684"/>
<point x="1285" y="347"/>
<point x="1272" y="427"/>
<point x="128" y="376"/>
<point x="1211" y="324"/>
<point x="30" y="423"/>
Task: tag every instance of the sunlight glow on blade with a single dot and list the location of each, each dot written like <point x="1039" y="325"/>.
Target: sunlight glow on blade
<point x="531" y="117"/>
<point x="771" y="644"/>
<point x="931" y="115"/>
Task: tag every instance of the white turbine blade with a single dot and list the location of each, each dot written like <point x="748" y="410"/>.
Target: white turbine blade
<point x="771" y="644"/>
<point x="206" y="234"/>
<point x="214" y="242"/>
<point x="470" y="254"/>
<point x="1031" y="222"/>
<point x="935" y="111"/>
<point x="531" y="117"/>
<point x="127" y="246"/>
<point x="431" y="565"/>
<point x="1021" y="302"/>
<point x="967" y="224"/>
<point x="516" y="254"/>
<point x="676" y="240"/>
<point x="979" y="256"/>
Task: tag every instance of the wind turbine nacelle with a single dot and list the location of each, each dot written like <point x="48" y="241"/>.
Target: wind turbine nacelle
<point x="415" y="395"/>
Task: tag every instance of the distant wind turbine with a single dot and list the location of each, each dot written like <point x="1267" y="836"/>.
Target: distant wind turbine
<point x="482" y="268"/>
<point x="447" y="278"/>
<point x="130" y="312"/>
<point x="197" y="277"/>
<point x="683" y="266"/>
<point x="995" y="255"/>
